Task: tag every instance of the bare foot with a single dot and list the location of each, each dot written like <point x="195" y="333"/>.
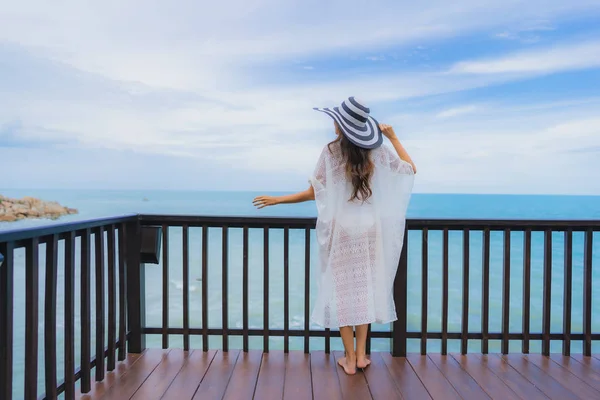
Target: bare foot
<point x="349" y="367"/>
<point x="362" y="362"/>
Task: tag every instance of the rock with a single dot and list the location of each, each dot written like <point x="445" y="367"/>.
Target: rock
<point x="30" y="207"/>
<point x="7" y="218"/>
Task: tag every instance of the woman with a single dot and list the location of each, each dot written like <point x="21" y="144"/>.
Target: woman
<point x="362" y="190"/>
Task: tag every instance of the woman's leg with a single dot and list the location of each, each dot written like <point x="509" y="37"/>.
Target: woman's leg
<point x="361" y="346"/>
<point x="348" y="362"/>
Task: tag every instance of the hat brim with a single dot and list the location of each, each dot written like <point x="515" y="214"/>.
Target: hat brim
<point x="368" y="136"/>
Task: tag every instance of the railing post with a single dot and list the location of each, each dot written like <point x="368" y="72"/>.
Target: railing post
<point x="136" y="293"/>
<point x="398" y="344"/>
<point x="6" y="320"/>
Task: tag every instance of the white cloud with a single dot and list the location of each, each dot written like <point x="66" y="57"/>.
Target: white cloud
<point x="186" y="79"/>
<point x="528" y="32"/>
<point x="552" y="59"/>
<point x="200" y="45"/>
<point x="453" y="112"/>
<point x="508" y="148"/>
<point x="375" y="58"/>
<point x="91" y="110"/>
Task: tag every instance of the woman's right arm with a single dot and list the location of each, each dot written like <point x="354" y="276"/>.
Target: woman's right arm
<point x="388" y="131"/>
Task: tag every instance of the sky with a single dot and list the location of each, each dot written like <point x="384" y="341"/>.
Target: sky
<point x="487" y="96"/>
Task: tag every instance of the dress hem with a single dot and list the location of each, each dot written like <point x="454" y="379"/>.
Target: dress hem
<point x="370" y="321"/>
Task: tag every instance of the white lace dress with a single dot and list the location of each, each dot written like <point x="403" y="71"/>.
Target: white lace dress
<point x="359" y="243"/>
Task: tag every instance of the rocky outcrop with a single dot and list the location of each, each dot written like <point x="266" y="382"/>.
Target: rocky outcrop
<point x="29" y="207"/>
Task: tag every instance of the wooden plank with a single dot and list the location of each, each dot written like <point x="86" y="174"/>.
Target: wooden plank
<point x="424" y="289"/>
<point x="462" y="382"/>
<point x="245" y="287"/>
<point x="99" y="273"/>
<point x="190" y="376"/>
<point x="286" y="290"/>
<point x="186" y="287"/>
<point x="590" y="362"/>
<point x="399" y="327"/>
<point x="567" y="292"/>
<point x="122" y="294"/>
<point x="225" y="288"/>
<point x="445" y="282"/>
<point x="271" y="376"/>
<point x="464" y="331"/>
<point x="6" y="320"/>
<point x="588" y="255"/>
<point x="165" y="286"/>
<point x="205" y="288"/>
<point x="85" y="354"/>
<point x="111" y="378"/>
<point x="485" y="291"/>
<point x="485" y="378"/>
<point x="563" y="376"/>
<point x="539" y="378"/>
<point x="217" y="377"/>
<point x="161" y="378"/>
<point x="547" y="296"/>
<point x="353" y="386"/>
<point x="297" y="383"/>
<point x="326" y="385"/>
<point x="69" y="319"/>
<point x="526" y="290"/>
<point x="136" y="288"/>
<point x="136" y="376"/>
<point x="31" y="318"/>
<point x="436" y="383"/>
<point x="369" y="338"/>
<point x="405" y="378"/>
<point x="380" y="380"/>
<point x="50" y="316"/>
<point x="112" y="300"/>
<point x="583" y="371"/>
<point x="307" y="291"/>
<point x="511" y="377"/>
<point x="244" y="377"/>
<point x="266" y="289"/>
<point x="506" y="291"/>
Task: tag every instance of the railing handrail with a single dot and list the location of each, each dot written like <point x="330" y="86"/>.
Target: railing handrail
<point x="413" y="223"/>
<point x="20" y="234"/>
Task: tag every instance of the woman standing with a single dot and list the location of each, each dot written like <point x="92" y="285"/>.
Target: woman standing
<point x="362" y="190"/>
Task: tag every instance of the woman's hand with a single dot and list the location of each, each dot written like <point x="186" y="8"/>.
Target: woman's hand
<point x="265" y="201"/>
<point x="388" y="131"/>
<point x="300" y="197"/>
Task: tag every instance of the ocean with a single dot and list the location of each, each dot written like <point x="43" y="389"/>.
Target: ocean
<point x="100" y="203"/>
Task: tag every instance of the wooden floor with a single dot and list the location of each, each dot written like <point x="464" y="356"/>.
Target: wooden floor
<point x="175" y="374"/>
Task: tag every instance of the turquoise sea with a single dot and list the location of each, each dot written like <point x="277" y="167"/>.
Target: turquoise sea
<point x="99" y="203"/>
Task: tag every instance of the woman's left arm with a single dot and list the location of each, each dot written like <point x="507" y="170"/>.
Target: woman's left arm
<point x="300" y="197"/>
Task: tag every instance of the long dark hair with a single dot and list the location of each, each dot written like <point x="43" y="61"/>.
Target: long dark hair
<point x="359" y="167"/>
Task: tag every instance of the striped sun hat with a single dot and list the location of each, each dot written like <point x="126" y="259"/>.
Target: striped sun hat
<point x="356" y="124"/>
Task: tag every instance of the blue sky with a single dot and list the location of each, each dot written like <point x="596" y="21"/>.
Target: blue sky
<point x="487" y="96"/>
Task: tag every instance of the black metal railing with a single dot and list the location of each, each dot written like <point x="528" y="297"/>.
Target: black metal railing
<point x="63" y="238"/>
<point x="119" y="276"/>
<point x="399" y="333"/>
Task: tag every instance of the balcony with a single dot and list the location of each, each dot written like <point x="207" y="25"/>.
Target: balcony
<point x="465" y="325"/>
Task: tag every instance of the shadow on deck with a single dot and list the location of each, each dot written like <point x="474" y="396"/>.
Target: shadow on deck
<point x="175" y="374"/>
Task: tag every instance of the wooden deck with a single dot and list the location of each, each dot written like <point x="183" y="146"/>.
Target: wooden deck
<point x="179" y="375"/>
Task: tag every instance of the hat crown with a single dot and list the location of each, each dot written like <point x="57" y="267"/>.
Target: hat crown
<point x="355" y="110"/>
<point x="353" y="118"/>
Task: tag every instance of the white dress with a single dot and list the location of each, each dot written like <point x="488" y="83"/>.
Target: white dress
<point x="359" y="243"/>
